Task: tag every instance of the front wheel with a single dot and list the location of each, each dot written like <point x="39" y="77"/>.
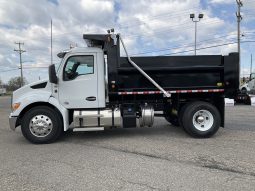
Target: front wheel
<point x="201" y="119"/>
<point x="41" y="124"/>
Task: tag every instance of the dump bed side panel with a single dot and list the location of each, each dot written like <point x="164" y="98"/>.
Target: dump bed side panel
<point x="175" y="72"/>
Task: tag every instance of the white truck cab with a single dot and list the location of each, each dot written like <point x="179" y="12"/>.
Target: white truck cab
<point x="81" y="84"/>
<point x="249" y="87"/>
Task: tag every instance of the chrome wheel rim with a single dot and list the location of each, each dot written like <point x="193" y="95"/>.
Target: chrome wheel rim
<point x="40" y="126"/>
<point x="203" y="120"/>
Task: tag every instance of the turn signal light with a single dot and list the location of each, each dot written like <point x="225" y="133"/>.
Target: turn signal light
<point x="15" y="106"/>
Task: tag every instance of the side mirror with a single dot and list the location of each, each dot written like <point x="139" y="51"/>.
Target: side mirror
<point x="52" y="74"/>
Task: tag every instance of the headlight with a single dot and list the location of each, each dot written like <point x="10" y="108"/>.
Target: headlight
<point x="15" y="106"/>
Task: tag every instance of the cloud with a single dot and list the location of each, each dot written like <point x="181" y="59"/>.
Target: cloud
<point x="151" y="27"/>
<point x="222" y="1"/>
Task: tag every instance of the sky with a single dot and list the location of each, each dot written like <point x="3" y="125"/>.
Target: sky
<point x="148" y="27"/>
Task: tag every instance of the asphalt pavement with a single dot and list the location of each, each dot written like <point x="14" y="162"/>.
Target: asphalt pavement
<point x="160" y="158"/>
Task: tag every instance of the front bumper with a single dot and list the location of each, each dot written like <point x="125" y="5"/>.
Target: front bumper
<point x="12" y="122"/>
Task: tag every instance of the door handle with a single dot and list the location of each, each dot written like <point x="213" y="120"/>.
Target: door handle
<point x="91" y="98"/>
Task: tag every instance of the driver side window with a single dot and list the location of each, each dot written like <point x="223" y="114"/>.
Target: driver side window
<point x="77" y="66"/>
<point x="252" y="76"/>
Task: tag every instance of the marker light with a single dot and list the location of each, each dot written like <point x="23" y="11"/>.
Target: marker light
<point x="15" y="106"/>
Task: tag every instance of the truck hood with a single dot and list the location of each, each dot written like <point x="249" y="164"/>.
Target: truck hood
<point x="32" y="88"/>
<point x="31" y="85"/>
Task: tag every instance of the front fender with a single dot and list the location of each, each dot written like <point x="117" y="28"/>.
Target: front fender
<point x="30" y="98"/>
<point x="64" y="112"/>
<point x="41" y="96"/>
<point x="245" y="86"/>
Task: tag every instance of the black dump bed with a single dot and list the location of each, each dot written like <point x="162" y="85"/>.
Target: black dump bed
<point x="170" y="72"/>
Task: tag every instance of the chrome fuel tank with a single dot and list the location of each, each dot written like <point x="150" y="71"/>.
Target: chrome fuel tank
<point x="98" y="118"/>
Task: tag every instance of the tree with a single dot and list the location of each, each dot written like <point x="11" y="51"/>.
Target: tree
<point x="14" y="83"/>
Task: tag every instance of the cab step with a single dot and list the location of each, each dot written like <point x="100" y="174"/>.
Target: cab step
<point x="80" y="129"/>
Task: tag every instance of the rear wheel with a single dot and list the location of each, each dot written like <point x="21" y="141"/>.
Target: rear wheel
<point x="181" y="112"/>
<point x="41" y="124"/>
<point x="201" y="119"/>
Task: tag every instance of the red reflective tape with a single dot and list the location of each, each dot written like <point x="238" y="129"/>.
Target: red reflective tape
<point x="172" y="91"/>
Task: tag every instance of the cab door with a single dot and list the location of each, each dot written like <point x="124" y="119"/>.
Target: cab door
<point x="78" y="82"/>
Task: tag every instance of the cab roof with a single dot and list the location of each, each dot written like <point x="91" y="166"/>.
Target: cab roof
<point x="79" y="50"/>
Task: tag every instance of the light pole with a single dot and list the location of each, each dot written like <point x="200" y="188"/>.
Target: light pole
<point x="192" y="16"/>
<point x="239" y="19"/>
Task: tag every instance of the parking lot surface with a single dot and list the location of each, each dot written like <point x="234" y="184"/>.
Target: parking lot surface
<point x="160" y="158"/>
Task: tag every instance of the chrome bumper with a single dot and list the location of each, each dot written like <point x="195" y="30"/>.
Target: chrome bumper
<point x="12" y="122"/>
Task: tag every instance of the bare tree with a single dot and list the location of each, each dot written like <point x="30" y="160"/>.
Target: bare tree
<point x="14" y="83"/>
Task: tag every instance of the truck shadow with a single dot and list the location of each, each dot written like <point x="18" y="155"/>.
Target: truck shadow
<point x="150" y="132"/>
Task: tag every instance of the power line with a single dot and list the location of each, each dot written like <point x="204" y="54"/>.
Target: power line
<point x="203" y="48"/>
<point x="182" y="46"/>
<point x="208" y="47"/>
<point x="25" y="68"/>
<point x="179" y="27"/>
<point x="8" y="70"/>
<point x="151" y="18"/>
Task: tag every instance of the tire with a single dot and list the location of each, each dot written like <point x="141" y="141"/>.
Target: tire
<point x="50" y="125"/>
<point x="209" y="121"/>
<point x="180" y="114"/>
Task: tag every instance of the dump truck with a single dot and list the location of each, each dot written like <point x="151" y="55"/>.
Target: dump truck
<point x="95" y="88"/>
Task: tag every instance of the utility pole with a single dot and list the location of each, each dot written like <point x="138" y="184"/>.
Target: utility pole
<point x="192" y="16"/>
<point x="20" y="51"/>
<point x="239" y="19"/>
<point x="251" y="65"/>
